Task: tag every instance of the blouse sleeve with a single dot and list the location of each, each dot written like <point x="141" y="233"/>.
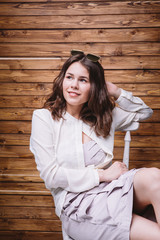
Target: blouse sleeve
<point x="42" y="145"/>
<point x="130" y="109"/>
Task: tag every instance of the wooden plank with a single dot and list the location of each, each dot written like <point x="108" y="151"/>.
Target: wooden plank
<point x="14" y="139"/>
<point x="26" y="201"/>
<point x="139" y="154"/>
<point x="141" y="164"/>
<point x="3" y="1"/>
<point x="20" y="176"/>
<point x="9" y="129"/>
<point x="140" y="141"/>
<point x="24" y="152"/>
<point x="25" y="89"/>
<point x="92" y="21"/>
<point x="108" y="63"/>
<point x="8" y="163"/>
<point x="115" y="76"/>
<point x="153" y="140"/>
<point x="28" y="213"/>
<point x="20" y="127"/>
<point x="30" y="224"/>
<point x="87" y="8"/>
<point x="23" y="188"/>
<point x="34" y="101"/>
<point x="141" y="62"/>
<point x="46" y="88"/>
<point x="79" y="35"/>
<point x="31" y="63"/>
<point x="15" y="151"/>
<point x="31" y="75"/>
<point x="18" y="114"/>
<point x="102" y="49"/>
<point x="26" y="235"/>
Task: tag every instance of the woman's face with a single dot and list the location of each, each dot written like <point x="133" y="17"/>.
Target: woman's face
<point x="76" y="87"/>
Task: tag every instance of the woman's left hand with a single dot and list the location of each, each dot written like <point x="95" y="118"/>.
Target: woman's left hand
<point x="113" y="90"/>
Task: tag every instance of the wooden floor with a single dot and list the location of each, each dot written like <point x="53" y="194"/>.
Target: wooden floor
<point x="36" y="37"/>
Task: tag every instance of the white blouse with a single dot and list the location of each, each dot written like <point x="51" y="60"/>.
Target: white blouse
<point x="57" y="146"/>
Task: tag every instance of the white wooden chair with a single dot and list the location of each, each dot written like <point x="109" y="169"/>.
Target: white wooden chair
<point x="127" y="139"/>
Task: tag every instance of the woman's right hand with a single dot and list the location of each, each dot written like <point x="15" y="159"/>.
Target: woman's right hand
<point x="113" y="172"/>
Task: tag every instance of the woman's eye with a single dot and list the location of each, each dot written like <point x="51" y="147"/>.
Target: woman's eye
<point x="83" y="80"/>
<point x="68" y="77"/>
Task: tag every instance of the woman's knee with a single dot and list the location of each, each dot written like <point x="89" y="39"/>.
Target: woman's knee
<point x="147" y="179"/>
<point x="154" y="178"/>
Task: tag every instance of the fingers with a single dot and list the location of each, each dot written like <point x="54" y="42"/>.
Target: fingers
<point x="122" y="166"/>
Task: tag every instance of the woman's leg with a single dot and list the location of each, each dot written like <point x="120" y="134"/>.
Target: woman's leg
<point x="147" y="190"/>
<point x="144" y="229"/>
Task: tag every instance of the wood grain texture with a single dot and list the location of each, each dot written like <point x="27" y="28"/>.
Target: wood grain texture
<point x="35" y="40"/>
<point x="47" y="76"/>
<point x="79" y="8"/>
<point x="75" y="36"/>
<point x="75" y="21"/>
<point x="22" y="114"/>
<point x="54" y="50"/>
<point x="28" y="235"/>
<point x="108" y="63"/>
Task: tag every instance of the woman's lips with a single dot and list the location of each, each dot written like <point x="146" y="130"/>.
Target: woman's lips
<point x="73" y="94"/>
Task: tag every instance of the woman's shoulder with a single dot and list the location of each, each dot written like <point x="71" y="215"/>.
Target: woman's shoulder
<point x="45" y="116"/>
<point x="42" y="113"/>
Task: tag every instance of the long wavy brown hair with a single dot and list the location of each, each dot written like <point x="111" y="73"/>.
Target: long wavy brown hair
<point x="97" y="112"/>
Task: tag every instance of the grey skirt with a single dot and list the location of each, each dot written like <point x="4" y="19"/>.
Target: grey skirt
<point x="101" y="213"/>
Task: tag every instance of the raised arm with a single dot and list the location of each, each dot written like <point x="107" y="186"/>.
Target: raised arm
<point x="130" y="108"/>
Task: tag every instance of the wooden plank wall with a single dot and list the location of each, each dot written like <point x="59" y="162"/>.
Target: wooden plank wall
<point x="35" y="39"/>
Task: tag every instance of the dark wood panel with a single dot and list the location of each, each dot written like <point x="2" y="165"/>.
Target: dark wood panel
<point x="138" y="153"/>
<point x="79" y="35"/>
<point x="28" y="213"/>
<point x="98" y="8"/>
<point x="92" y="21"/>
<point x="15" y="151"/>
<point x="21" y="128"/>
<point x="22" y="76"/>
<point x="23" y="188"/>
<point x="20" y="176"/>
<point x="26" y="89"/>
<point x="115" y="76"/>
<point x="46" y="88"/>
<point x="141" y="164"/>
<point x="30" y="224"/>
<point x="140" y="141"/>
<point x="113" y="62"/>
<point x="26" y="201"/>
<point x="64" y="1"/>
<point x="26" y="235"/>
<point x="14" y="139"/>
<point x="102" y="49"/>
<point x="137" y="141"/>
<point x="12" y="163"/>
<point x="26" y="114"/>
<point x="16" y="114"/>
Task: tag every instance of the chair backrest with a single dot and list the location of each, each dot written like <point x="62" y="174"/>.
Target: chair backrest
<point x="127" y="139"/>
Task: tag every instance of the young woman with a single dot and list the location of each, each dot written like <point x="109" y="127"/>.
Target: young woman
<point x="72" y="140"/>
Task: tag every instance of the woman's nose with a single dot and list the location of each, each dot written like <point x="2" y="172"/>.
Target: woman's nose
<point x="74" y="83"/>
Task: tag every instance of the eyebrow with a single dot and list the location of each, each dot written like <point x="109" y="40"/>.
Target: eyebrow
<point x="80" y="76"/>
